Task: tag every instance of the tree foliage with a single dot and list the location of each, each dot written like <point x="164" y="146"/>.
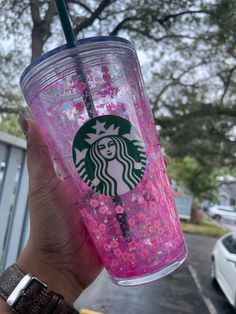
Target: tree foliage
<point x="9" y="124"/>
<point x="189" y="68"/>
<point x="188" y="172"/>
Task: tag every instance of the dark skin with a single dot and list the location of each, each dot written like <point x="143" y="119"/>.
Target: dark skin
<point x="59" y="250"/>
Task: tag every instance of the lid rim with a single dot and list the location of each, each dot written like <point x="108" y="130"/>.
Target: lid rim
<point x="75" y="44"/>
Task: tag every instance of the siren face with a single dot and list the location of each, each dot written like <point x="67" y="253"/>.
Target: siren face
<point x="107" y="148"/>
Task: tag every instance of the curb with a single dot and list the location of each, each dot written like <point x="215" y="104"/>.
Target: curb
<point x="85" y="311"/>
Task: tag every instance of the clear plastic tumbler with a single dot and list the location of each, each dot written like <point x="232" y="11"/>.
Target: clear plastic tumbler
<point x="91" y="105"/>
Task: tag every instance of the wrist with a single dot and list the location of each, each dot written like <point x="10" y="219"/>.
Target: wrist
<point x="26" y="294"/>
<point x="57" y="280"/>
<point x="4" y="308"/>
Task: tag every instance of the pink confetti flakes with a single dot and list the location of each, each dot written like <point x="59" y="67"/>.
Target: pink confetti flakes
<point x="102" y="228"/>
<point x="114" y="263"/>
<point x="114" y="244"/>
<point x="140" y="200"/>
<point x="119" y="209"/>
<point x="103" y="210"/>
<point x="152" y="205"/>
<point x="105" y="69"/>
<point x="93" y="203"/>
<point x="131" y="222"/>
<point x="106" y="77"/>
<point x="107" y="247"/>
<point x="117" y="252"/>
<point x="155" y="241"/>
<point x="144" y="253"/>
<point x="160" y="230"/>
<point x="98" y="234"/>
<point x="102" y="197"/>
<point x="129" y="257"/>
<point x="156" y="224"/>
<point x="123" y="107"/>
<point x="153" y="212"/>
<point x="142" y="217"/>
<point x="149" y="185"/>
<point x="79" y="106"/>
<point x="82" y="86"/>
<point x="133" y="245"/>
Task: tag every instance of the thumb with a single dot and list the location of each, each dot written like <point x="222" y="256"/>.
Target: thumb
<point x="40" y="166"/>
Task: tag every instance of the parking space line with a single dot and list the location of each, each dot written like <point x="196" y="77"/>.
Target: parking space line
<point x="210" y="306"/>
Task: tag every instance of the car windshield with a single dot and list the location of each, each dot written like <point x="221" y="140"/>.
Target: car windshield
<point x="230" y="243"/>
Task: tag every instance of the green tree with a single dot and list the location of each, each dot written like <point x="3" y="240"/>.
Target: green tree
<point x="9" y="124"/>
<point x="193" y="176"/>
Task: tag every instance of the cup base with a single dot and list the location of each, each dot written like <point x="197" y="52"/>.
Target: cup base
<point x="146" y="278"/>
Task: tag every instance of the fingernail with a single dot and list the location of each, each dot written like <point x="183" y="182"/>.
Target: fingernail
<point x="167" y="160"/>
<point x="28" y="114"/>
<point x="23" y="123"/>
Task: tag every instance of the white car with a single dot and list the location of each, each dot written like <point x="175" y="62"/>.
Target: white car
<point x="223" y="266"/>
<point x="222" y="212"/>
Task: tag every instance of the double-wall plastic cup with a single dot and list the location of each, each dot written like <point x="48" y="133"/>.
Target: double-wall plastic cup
<point x="90" y="103"/>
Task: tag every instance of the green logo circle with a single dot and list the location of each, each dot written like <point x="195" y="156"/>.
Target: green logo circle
<point x="109" y="155"/>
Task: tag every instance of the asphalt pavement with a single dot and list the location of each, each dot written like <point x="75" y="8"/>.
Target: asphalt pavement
<point x="188" y="290"/>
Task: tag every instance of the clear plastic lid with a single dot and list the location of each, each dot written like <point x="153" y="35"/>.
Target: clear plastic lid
<point x="76" y="44"/>
<point x="67" y="59"/>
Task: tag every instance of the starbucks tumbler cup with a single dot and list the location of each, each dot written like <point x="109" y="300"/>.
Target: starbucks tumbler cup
<point x="90" y="103"/>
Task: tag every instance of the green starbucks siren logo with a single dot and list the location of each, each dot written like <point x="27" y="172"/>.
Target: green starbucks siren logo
<point x="109" y="155"/>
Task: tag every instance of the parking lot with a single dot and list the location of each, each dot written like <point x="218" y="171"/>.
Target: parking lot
<point x="186" y="291"/>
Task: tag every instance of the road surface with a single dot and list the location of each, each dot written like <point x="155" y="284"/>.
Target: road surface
<point x="231" y="226"/>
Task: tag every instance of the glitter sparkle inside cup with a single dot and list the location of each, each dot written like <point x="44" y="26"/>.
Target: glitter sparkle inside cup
<point x="113" y="154"/>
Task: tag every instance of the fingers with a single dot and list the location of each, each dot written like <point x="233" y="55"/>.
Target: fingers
<point x="167" y="160"/>
<point x="40" y="165"/>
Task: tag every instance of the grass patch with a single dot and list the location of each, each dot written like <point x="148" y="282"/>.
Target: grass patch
<point x="205" y="227"/>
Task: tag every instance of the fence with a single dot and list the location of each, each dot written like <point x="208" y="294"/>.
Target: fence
<point x="14" y="217"/>
<point x="14" y="220"/>
<point x="184" y="206"/>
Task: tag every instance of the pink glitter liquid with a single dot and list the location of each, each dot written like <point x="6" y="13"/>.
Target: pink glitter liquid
<point x="155" y="244"/>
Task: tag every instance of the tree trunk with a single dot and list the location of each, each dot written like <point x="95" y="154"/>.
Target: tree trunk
<point x="37" y="37"/>
<point x="41" y="26"/>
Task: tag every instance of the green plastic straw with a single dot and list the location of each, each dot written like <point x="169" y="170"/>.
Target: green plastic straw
<point x="65" y="22"/>
<point x="70" y="39"/>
